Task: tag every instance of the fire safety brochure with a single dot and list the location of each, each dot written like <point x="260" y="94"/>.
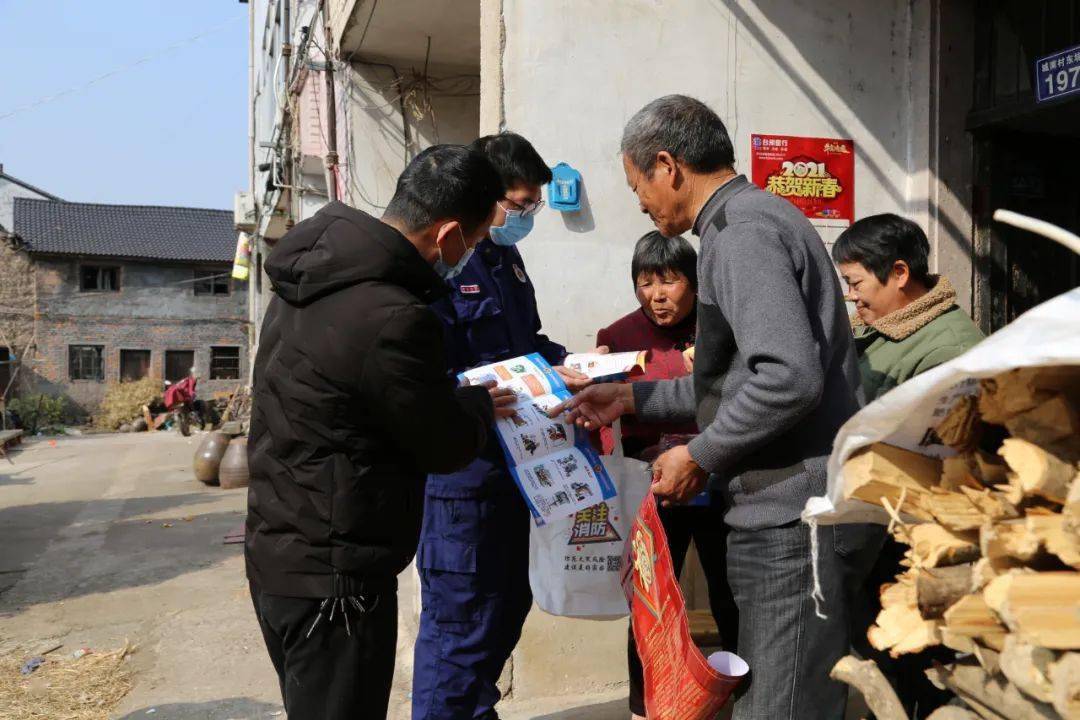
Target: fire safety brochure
<point x="551" y="460"/>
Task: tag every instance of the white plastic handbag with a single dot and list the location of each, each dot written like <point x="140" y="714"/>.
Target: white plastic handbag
<point x="575" y="561"/>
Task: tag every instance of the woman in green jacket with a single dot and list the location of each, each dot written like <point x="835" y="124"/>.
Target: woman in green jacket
<point x="906" y="321"/>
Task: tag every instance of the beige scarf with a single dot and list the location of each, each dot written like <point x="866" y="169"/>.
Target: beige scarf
<point x="914" y="316"/>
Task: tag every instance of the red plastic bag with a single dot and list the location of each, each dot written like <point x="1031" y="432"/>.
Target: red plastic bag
<point x="680" y="684"/>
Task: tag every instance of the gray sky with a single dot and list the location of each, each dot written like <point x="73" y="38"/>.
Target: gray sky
<point x="168" y="131"/>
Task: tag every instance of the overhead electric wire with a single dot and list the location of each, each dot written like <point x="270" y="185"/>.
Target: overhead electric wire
<point x="118" y="70"/>
<point x="374" y="4"/>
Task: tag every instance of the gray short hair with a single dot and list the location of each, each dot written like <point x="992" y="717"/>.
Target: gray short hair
<point x="683" y="126"/>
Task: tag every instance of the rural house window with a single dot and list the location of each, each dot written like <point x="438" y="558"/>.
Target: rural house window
<point x="134" y="365"/>
<point x="211" y="282"/>
<point x="99" y="277"/>
<point x="224" y="363"/>
<point x="178" y="364"/>
<point x="85" y="362"/>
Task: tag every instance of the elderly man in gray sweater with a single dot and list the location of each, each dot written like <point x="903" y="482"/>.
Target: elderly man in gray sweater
<point x="775" y="376"/>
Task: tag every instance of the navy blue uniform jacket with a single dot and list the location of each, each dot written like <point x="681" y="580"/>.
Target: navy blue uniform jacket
<point x="490" y="315"/>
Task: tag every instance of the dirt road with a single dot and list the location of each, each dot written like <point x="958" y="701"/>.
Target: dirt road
<point x="106" y="539"/>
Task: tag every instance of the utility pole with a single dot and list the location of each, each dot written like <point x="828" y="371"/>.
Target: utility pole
<point x="331" y="110"/>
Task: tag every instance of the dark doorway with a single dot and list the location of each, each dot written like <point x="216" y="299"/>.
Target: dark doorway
<point x="1026" y="155"/>
<point x="5" y="369"/>
<point x="1034" y="174"/>
<point x="134" y="365"/>
<point x="178" y="364"/>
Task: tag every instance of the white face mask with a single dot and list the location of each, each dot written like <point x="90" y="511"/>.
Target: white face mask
<point x="449" y="272"/>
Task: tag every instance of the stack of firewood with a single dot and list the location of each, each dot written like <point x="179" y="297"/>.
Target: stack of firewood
<point x="993" y="536"/>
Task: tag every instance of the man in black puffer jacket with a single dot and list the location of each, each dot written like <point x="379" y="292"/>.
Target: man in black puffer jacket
<point x="352" y="407"/>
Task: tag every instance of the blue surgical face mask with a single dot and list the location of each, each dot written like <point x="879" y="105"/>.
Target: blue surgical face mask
<point x="513" y="230"/>
<point x="449" y="272"/>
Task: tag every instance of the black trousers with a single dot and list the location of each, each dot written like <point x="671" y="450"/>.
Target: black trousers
<point x="338" y="672"/>
<point x="704" y="525"/>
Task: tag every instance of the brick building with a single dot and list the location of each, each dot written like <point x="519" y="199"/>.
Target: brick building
<point x="123" y="292"/>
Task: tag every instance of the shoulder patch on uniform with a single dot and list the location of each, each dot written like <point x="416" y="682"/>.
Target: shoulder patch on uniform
<point x="470" y="289"/>
<point x="519" y="272"/>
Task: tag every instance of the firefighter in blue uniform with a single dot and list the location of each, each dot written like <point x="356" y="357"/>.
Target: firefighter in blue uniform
<point x="473" y="556"/>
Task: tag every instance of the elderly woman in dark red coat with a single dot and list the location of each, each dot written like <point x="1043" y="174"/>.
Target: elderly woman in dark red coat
<point x="664" y="272"/>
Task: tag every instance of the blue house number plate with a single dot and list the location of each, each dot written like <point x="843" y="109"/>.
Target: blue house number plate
<point x="1058" y="75"/>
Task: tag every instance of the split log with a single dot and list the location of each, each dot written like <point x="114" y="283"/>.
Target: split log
<point x="992" y="470"/>
<point x="974" y="469"/>
<point x="864" y="676"/>
<point x="955" y="510"/>
<point x="1071" y="511"/>
<point x="938" y="589"/>
<point x="996" y="590"/>
<point x="899" y="627"/>
<point x="968" y="509"/>
<point x="882" y="470"/>
<point x="1046" y="423"/>
<point x="982" y="572"/>
<point x="1030" y="540"/>
<point x="989" y="696"/>
<point x="1053" y="535"/>
<point x="1065" y="680"/>
<point x="952" y="712"/>
<point x="1009" y="394"/>
<point x="1028" y="668"/>
<point x="1019" y="390"/>
<point x="1039" y="607"/>
<point x="971" y="616"/>
<point x="960" y="471"/>
<point x="902" y="630"/>
<point x="1008" y="544"/>
<point x="989" y="658"/>
<point x="935" y="546"/>
<point x="1037" y="471"/>
<point x="959" y="429"/>
<point x="960" y="643"/>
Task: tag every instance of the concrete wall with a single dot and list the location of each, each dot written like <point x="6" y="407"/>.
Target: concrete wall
<point x="379" y="140"/>
<point x="155" y="309"/>
<point x="568" y="75"/>
<point x="831" y="68"/>
<point x="8" y="192"/>
<point x="952" y="68"/>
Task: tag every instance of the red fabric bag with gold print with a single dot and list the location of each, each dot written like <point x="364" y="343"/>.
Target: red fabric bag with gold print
<point x="680" y="683"/>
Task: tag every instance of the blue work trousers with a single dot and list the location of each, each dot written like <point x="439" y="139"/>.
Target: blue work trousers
<point x="473" y="561"/>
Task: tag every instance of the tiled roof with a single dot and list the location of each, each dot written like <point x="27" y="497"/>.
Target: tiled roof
<point x="132" y="231"/>
<point x="25" y="185"/>
<point x="28" y="186"/>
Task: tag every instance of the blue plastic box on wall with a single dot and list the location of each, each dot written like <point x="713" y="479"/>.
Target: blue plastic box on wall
<point x="564" y="190"/>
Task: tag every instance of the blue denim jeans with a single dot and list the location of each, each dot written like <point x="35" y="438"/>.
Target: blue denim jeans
<point x="790" y="650"/>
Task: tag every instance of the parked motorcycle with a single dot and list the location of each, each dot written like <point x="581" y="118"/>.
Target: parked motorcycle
<point x="180" y="400"/>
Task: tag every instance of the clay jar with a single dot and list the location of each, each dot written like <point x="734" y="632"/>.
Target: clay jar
<point x="208" y="457"/>
<point x="233" y="472"/>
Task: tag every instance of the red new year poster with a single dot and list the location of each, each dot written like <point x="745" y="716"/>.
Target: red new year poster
<point x="816" y="174"/>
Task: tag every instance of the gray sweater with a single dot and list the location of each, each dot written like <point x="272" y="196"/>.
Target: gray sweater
<point x="775" y="373"/>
